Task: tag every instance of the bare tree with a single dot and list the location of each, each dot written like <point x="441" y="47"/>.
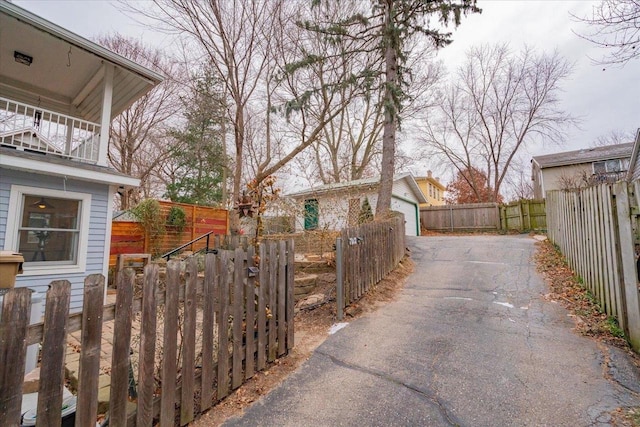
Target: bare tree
<point x="305" y="89"/>
<point x="239" y="38"/>
<point x="230" y="35"/>
<point x="518" y="181"/>
<point x="497" y="104"/>
<point x="613" y="138"/>
<point x="615" y="27"/>
<point x="351" y="145"/>
<point x="350" y="141"/>
<point x="137" y="139"/>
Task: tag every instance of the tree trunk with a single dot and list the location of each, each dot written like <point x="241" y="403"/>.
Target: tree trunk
<point x="383" y="205"/>
<point x="234" y="214"/>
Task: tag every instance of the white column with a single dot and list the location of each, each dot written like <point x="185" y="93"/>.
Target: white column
<point x="105" y="119"/>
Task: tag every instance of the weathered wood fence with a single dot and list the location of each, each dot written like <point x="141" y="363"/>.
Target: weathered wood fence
<point x="473" y="216"/>
<point x="594" y="229"/>
<point x="236" y="319"/>
<point x="521" y="215"/>
<point x="365" y="255"/>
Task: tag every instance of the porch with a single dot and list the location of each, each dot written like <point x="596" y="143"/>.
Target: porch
<point x="33" y="129"/>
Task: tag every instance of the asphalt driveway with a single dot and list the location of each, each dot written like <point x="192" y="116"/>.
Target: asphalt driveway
<point x="469" y="342"/>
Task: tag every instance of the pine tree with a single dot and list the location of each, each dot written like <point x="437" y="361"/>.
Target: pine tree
<point x="199" y="160"/>
<point x="366" y="213"/>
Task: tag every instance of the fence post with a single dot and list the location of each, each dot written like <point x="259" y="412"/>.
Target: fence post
<point x="339" y="278"/>
<point x="451" y="216"/>
<point x="631" y="303"/>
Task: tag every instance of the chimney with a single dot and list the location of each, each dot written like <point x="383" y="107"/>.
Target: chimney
<point x="428" y="174"/>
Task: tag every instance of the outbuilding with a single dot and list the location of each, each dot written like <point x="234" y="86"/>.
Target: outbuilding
<point x="337" y="206"/>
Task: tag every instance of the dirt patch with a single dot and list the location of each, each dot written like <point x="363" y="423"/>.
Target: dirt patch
<point x="311" y="329"/>
<point x="566" y="288"/>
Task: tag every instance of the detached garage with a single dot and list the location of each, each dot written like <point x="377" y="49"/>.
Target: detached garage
<point x="337" y="206"/>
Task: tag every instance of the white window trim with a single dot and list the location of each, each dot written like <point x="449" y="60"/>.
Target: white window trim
<point x="13" y="223"/>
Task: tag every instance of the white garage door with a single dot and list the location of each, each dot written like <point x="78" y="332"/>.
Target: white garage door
<point x="409" y="211"/>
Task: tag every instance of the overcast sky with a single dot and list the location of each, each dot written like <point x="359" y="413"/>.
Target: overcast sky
<point x="606" y="100"/>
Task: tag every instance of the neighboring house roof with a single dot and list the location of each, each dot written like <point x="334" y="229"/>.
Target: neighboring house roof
<point x="370" y="184"/>
<point x="11" y="158"/>
<point x="585" y="155"/>
<point x="30" y="138"/>
<point x="74" y="88"/>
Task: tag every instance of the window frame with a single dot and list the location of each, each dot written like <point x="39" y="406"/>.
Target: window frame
<point x="11" y="242"/>
<point x="622" y="166"/>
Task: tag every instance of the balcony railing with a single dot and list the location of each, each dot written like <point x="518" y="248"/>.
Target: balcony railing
<point x="34" y="129"/>
<point x="607" y="177"/>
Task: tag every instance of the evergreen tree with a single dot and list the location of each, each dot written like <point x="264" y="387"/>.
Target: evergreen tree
<point x="199" y="155"/>
<point x="366" y="213"/>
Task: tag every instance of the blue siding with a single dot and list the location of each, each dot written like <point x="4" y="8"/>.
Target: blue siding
<point x="97" y="227"/>
<point x="4" y="203"/>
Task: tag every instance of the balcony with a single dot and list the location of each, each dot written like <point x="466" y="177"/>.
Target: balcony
<point x="606" y="177"/>
<point x="30" y="128"/>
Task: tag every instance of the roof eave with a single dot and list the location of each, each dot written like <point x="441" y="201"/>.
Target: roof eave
<point x="80" y="42"/>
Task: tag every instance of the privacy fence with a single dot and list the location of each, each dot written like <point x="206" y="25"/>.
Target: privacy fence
<point x="594" y="229"/>
<point x="130" y="237"/>
<point x="522" y="215"/>
<point x="365" y="255"/>
<point x="193" y="337"/>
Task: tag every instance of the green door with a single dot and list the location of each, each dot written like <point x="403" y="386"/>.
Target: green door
<point x="310" y="214"/>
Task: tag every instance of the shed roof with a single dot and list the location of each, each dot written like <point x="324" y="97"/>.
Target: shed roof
<point x="65" y="74"/>
<point x="585" y="155"/>
<point x="359" y="184"/>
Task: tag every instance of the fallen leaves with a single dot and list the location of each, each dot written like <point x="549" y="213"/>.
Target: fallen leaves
<point x="566" y="288"/>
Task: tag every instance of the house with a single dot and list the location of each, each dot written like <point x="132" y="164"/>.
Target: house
<point x="432" y="189"/>
<point x="574" y="169"/>
<point x="58" y="95"/>
<point x="336" y="206"/>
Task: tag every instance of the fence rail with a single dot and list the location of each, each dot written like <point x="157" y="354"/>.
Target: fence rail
<point x="365" y="255"/>
<point x="208" y="333"/>
<point x="594" y="230"/>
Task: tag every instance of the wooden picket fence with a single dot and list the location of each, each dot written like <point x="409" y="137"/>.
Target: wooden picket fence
<point x="366" y="254"/>
<point x="594" y="229"/>
<point x="241" y="309"/>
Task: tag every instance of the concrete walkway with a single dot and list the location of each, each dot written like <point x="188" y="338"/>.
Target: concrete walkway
<point x="469" y="342"/>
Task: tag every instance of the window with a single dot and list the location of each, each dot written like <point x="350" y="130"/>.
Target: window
<point x="610" y="166"/>
<point x="50" y="228"/>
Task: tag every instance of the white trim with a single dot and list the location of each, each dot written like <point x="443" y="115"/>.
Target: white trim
<point x="107" y="235"/>
<point x="48" y="168"/>
<point x="13" y="223"/>
<point x="105" y="120"/>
